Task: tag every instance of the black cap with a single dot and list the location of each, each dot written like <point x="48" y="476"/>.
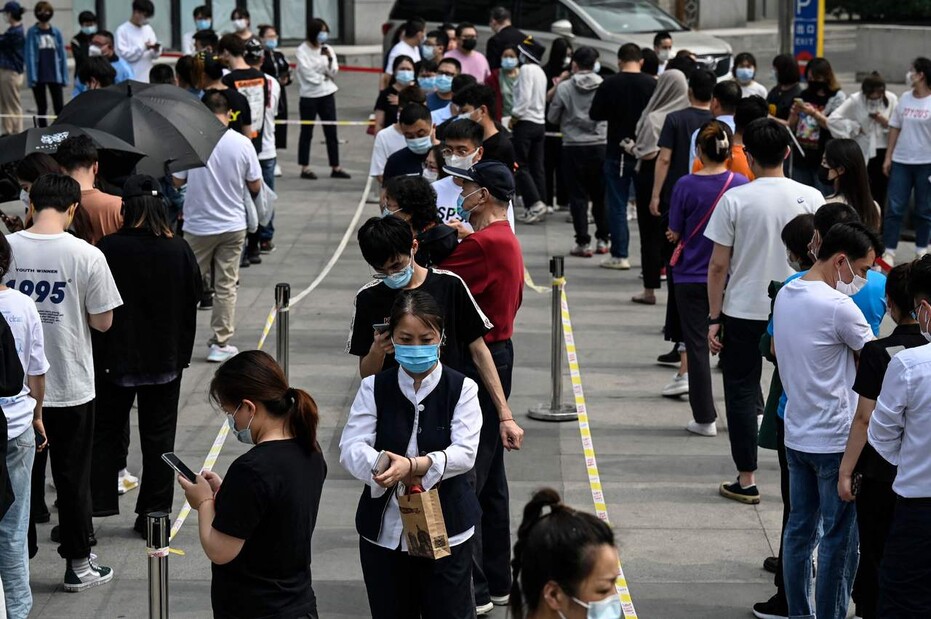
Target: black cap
<point x="140" y="185"/>
<point x="494" y="176"/>
<point x="532" y="49"/>
<point x="254" y="51"/>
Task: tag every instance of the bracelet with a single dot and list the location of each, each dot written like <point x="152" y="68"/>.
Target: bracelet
<point x="411" y="461"/>
<point x="202" y="502"/>
<point x="716" y="321"/>
<point x="503" y="420"/>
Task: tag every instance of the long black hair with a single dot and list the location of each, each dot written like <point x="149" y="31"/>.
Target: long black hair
<point x="853" y="184"/>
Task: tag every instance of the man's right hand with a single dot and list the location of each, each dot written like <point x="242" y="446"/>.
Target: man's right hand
<point x="714" y="343"/>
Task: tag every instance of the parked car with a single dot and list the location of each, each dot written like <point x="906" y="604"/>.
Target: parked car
<point x="602" y="24"/>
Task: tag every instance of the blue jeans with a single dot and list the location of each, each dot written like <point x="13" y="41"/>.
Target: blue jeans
<point x="266" y="233"/>
<point x="902" y="179"/>
<point x="619" y="178"/>
<point x="14" y="556"/>
<point x="818" y="518"/>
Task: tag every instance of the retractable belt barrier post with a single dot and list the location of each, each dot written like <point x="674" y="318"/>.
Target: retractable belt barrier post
<point x="283" y="305"/>
<point x="156" y="534"/>
<point x="556" y="410"/>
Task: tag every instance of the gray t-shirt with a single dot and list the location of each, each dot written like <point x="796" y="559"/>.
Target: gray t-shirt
<point x="68" y="279"/>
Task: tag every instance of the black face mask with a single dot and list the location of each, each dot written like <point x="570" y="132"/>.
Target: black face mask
<point x="469" y="44"/>
<point x="823" y="175"/>
<point x="44" y="17"/>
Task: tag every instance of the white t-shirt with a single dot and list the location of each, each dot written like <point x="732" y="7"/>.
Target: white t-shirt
<point x="447" y="195"/>
<point x="816" y="330"/>
<point x="750" y="219"/>
<point x="913" y="117"/>
<point x="69" y="279"/>
<point x="438" y="117"/>
<point x="387" y="142"/>
<point x="753" y="88"/>
<point x="21" y="314"/>
<point x="401" y="49"/>
<point x="130" y="44"/>
<point x="213" y="203"/>
<point x="269" y="145"/>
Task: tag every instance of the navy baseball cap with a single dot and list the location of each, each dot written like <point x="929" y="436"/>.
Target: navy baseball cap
<point x="141" y="185"/>
<point x="494" y="176"/>
<point x="11" y="7"/>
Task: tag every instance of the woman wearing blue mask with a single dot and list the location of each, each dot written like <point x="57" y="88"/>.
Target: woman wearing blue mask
<point x="256" y="525"/>
<point x="386" y="104"/>
<point x="565" y="563"/>
<point x="425" y="418"/>
<point x="276" y="65"/>
<point x="502" y="81"/>
<point x="316" y="71"/>
<point x="745" y="73"/>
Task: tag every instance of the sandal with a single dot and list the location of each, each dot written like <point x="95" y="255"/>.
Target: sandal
<point x="642" y="300"/>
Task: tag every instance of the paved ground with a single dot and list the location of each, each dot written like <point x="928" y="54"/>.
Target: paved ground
<point x="686" y="551"/>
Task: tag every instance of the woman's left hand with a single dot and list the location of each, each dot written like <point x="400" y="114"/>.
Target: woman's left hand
<point x="196" y="493"/>
<point x="672" y="237"/>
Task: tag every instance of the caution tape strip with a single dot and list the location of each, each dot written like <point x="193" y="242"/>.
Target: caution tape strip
<point x="588" y="448"/>
<point x="528" y="281"/>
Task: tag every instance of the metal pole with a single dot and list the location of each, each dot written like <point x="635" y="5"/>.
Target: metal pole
<point x="283" y="303"/>
<point x="786" y="14"/>
<point x="555" y="410"/>
<point x="157" y="542"/>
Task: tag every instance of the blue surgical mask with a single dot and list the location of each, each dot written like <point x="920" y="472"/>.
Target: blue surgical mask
<point x="404" y="76"/>
<point x="462" y="212"/>
<point x="427" y="52"/>
<point x="89" y="30"/>
<point x="245" y="435"/>
<point x="427" y="83"/>
<point x="271" y="43"/>
<point x="744" y="74"/>
<point x="323" y="37"/>
<point x="608" y="608"/>
<point x="203" y="24"/>
<point x="420" y="146"/>
<point x="444" y="83"/>
<point x="402" y="278"/>
<point x="416" y="359"/>
<point x="508" y="63"/>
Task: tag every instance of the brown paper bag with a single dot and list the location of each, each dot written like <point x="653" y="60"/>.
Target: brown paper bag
<point x="424" y="527"/>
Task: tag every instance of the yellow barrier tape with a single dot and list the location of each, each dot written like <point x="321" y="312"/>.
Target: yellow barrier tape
<point x="528" y="281"/>
<point x="588" y="448"/>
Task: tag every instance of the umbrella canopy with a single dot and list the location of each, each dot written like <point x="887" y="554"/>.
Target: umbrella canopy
<point x="117" y="157"/>
<point x="167" y="123"/>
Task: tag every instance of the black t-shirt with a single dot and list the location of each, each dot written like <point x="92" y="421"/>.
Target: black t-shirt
<point x="381" y="103"/>
<point x="404" y="162"/>
<point x="464" y="321"/>
<point x="677" y="135"/>
<point x="269" y="498"/>
<point x="251" y="84"/>
<point x="780" y="101"/>
<point x="499" y="148"/>
<point x="240" y="115"/>
<point x="620" y="100"/>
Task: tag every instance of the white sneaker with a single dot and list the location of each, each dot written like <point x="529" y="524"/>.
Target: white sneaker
<point x="501" y="600"/>
<point x="602" y="247"/>
<point x="631" y="211"/>
<point x="920" y="251"/>
<point x="484" y="609"/>
<point x="702" y="429"/>
<point x="126" y="482"/>
<point x="90" y="575"/>
<point x="535" y="213"/>
<point x="889" y="258"/>
<point x="678" y="386"/>
<point x="621" y="264"/>
<point x="219" y="354"/>
<point x="278" y="172"/>
<point x="582" y="251"/>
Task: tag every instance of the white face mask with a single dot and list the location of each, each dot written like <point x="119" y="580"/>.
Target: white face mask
<point x="664" y="55"/>
<point x="854" y="286"/>
<point x="24" y="197"/>
<point x="240" y="24"/>
<point x="429" y="175"/>
<point x="93" y="50"/>
<point x="874" y="106"/>
<point x="924" y="328"/>
<point x="463" y="163"/>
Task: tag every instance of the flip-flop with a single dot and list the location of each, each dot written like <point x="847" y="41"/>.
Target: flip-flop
<point x="643" y="300"/>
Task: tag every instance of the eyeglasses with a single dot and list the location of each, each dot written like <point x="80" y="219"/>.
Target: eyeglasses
<point x="458" y="152"/>
<point x="378" y="275"/>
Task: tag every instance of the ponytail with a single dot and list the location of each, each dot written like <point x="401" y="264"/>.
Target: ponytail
<point x="303" y="418"/>
<point x="554" y="546"/>
<point x="715" y="139"/>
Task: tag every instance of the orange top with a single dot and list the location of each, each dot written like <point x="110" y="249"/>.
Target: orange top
<point x="103" y="212"/>
<point x="737" y="162"/>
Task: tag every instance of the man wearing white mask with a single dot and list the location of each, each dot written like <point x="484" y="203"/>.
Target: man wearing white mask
<point x="662" y="45"/>
<point x="819" y="327"/>
<point x="101" y="44"/>
<point x="136" y="41"/>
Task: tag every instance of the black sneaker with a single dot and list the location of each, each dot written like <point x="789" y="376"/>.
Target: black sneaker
<point x="775" y="607"/>
<point x="339" y="174"/>
<point x="96" y="575"/>
<point x="770" y="564"/>
<point x="733" y="491"/>
<point x="244" y="262"/>
<point x="255" y="258"/>
<point x="206" y="302"/>
<point x="670" y="358"/>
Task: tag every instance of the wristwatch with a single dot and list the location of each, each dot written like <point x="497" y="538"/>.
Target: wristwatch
<point x="716" y="321"/>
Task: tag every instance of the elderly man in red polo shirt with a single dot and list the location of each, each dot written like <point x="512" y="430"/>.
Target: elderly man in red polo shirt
<point x="490" y="262"/>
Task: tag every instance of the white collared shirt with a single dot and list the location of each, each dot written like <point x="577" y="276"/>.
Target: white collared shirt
<point x="900" y="428"/>
<point x="357" y="453"/>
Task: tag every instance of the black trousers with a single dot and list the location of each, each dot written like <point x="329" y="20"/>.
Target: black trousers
<point x="879" y="182"/>
<point x="905" y="571"/>
<point x="692" y="300"/>
<point x="400" y="586"/>
<point x="553" y="170"/>
<point x="786" y="501"/>
<point x="158" y="420"/>
<point x="491" y="544"/>
<point x="281" y="131"/>
<point x="743" y="398"/>
<point x="672" y="327"/>
<point x="38" y="91"/>
<point x="652" y="235"/>
<point x="583" y="169"/>
<point x="876" y="503"/>
<point x="527" y="139"/>
<point x="70" y="433"/>
<point x="311" y="108"/>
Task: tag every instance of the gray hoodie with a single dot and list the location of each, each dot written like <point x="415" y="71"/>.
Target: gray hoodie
<point x="569" y="109"/>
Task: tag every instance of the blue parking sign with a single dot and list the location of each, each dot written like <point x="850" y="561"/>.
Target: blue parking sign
<point x="808" y="31"/>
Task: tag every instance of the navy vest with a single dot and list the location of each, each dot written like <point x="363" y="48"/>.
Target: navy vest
<point x="394" y="427"/>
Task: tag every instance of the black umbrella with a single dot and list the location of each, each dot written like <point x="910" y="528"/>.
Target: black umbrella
<point x="117" y="157"/>
<point x="167" y="123"/>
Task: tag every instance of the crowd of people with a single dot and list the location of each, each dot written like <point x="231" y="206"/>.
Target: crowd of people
<point x="774" y="218"/>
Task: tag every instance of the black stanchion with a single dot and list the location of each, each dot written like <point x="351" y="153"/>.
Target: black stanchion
<point x="283" y="303"/>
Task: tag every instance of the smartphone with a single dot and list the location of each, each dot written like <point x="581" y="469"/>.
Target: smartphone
<point x="798" y="100"/>
<point x="41" y="441"/>
<point x="382" y="462"/>
<point x="855" y="483"/>
<point x="380" y="327"/>
<point x="180" y="467"/>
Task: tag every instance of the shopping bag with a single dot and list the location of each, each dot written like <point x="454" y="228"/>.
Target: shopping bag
<point x="424" y="526"/>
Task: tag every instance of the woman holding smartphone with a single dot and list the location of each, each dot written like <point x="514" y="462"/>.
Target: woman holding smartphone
<point x="425" y="419"/>
<point x="256" y="525"/>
